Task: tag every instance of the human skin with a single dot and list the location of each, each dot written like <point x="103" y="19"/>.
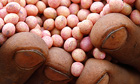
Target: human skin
<point x="20" y="57"/>
<point x="24" y="59"/>
<point x="104" y="72"/>
<point x="119" y="38"/>
<point x="56" y="69"/>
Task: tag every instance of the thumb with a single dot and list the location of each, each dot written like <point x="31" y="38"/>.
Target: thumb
<point x="20" y="56"/>
<point x="104" y="72"/>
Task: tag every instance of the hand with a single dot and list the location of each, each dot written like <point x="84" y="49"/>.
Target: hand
<point x="118" y="36"/>
<point x="56" y="69"/>
<point x="95" y="71"/>
<point x="121" y="42"/>
<point x="24" y="59"/>
<point x="20" y="56"/>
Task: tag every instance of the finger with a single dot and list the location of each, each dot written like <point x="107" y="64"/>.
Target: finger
<point x="104" y="72"/>
<point x="20" y="56"/>
<point x="118" y="36"/>
<point x="137" y="4"/>
<point x="56" y="70"/>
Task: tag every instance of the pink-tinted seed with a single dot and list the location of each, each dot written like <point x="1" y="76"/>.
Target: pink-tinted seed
<point x="60" y="22"/>
<point x="106" y="9"/>
<point x="82" y="14"/>
<point x="93" y="17"/>
<point x="65" y="3"/>
<point x="49" y="24"/>
<point x="22" y="27"/>
<point x="135" y="16"/>
<point x="31" y="21"/>
<point x="74" y="8"/>
<point x="3" y="13"/>
<point x="36" y="31"/>
<point x="85" y="26"/>
<point x="76" y="33"/>
<point x="66" y="33"/>
<point x="22" y="14"/>
<point x="77" y="68"/>
<point x="22" y="3"/>
<point x="41" y="6"/>
<point x="86" y="44"/>
<point x="98" y="54"/>
<point x="50" y="13"/>
<point x="79" y="55"/>
<point x="57" y="40"/>
<point x="96" y="7"/>
<point x="54" y="3"/>
<point x="63" y="10"/>
<point x="13" y="7"/>
<point x="72" y="20"/>
<point x="102" y="13"/>
<point x="116" y="5"/>
<point x="70" y="44"/>
<point x="46" y="33"/>
<point x="8" y="29"/>
<point x="127" y="9"/>
<point x="32" y="10"/>
<point x="48" y="40"/>
<point x="86" y="3"/>
<point x="11" y="18"/>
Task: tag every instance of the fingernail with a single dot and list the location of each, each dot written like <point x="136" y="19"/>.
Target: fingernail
<point x="104" y="79"/>
<point x="115" y="39"/>
<point x="55" y="75"/>
<point x="28" y="59"/>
